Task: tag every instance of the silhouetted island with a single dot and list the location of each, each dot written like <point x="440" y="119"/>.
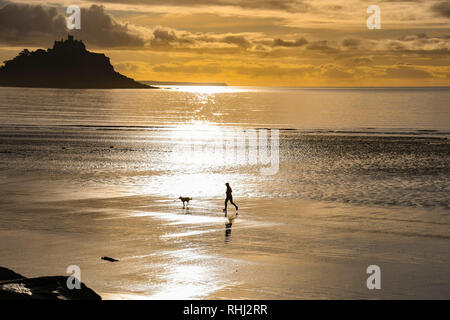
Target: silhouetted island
<point x="67" y="65"/>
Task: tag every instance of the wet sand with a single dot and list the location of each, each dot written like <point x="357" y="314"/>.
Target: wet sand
<point x="361" y="181"/>
<point x="167" y="252"/>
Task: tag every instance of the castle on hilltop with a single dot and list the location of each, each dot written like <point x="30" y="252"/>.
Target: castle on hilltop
<point x="69" y="44"/>
<point x="67" y="65"/>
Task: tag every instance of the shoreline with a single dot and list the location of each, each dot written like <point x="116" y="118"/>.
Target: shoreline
<point x="166" y="252"/>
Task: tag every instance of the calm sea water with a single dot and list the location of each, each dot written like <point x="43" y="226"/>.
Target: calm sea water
<point x="363" y="179"/>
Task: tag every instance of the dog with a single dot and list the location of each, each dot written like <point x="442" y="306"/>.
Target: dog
<point x="185" y="199"/>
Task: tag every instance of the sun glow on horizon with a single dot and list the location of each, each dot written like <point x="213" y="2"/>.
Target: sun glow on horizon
<point x="208" y="90"/>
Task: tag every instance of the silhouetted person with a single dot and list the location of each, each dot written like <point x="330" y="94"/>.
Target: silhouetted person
<point x="229" y="198"/>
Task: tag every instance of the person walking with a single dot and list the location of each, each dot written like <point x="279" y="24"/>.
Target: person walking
<point x="229" y="198"/>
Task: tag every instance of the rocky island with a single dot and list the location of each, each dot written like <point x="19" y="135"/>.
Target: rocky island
<point x="67" y="65"/>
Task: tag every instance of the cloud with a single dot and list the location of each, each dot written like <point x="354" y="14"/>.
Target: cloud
<point x="321" y="45"/>
<point x="127" y="67"/>
<point x="335" y="72"/>
<point x="256" y="69"/>
<point x="413" y="37"/>
<point x="405" y="71"/>
<point x="289" y="43"/>
<point x="162" y="38"/>
<point x="167" y="38"/>
<point x="23" y="24"/>
<point x="100" y="29"/>
<point x="361" y="61"/>
<point x="350" y="43"/>
<point x="26" y="24"/>
<point x="189" y="68"/>
<point x="293" y="6"/>
<point x="442" y="8"/>
<point x="240" y="41"/>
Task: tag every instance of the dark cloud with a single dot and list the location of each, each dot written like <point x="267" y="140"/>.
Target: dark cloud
<point x="166" y="38"/>
<point x="289" y="43"/>
<point x="281" y="5"/>
<point x="321" y="45"/>
<point x="413" y="37"/>
<point x="361" y="61"/>
<point x="240" y="41"/>
<point x="405" y="71"/>
<point x="417" y="44"/>
<point x="23" y="24"/>
<point x="350" y="43"/>
<point x="442" y="8"/>
<point x="26" y="24"/>
<point x="100" y="29"/>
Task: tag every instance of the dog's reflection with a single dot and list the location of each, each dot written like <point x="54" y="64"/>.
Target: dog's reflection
<point x="185" y="211"/>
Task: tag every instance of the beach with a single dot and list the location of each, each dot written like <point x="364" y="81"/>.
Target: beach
<point x="84" y="177"/>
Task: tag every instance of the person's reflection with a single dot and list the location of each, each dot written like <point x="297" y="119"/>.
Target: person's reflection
<point x="228" y="232"/>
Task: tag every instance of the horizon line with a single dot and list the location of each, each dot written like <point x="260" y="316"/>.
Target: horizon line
<point x="211" y="84"/>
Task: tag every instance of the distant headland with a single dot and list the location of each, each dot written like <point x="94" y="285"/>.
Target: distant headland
<point x="171" y="83"/>
<point x="67" y="65"/>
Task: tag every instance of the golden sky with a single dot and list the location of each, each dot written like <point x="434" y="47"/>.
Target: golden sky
<point x="249" y="42"/>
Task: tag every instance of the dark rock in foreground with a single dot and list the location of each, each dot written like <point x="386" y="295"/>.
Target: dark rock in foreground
<point x="7" y="274"/>
<point x="14" y="286"/>
<point x="67" y="65"/>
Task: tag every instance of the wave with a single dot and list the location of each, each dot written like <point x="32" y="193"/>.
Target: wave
<point x="416" y="132"/>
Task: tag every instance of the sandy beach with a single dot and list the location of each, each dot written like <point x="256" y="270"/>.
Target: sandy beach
<point x="167" y="252"/>
<point x="342" y="200"/>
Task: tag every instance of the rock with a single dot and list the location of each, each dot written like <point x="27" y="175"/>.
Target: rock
<point x="7" y="274"/>
<point x="67" y="65"/>
<point x="14" y="286"/>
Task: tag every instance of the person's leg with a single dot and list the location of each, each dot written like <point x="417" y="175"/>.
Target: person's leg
<point x="226" y="201"/>
<point x="234" y="204"/>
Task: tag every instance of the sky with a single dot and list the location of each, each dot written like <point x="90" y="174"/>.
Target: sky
<point x="248" y="42"/>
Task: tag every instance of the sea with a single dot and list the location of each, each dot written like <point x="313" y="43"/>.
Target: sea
<point x="329" y="181"/>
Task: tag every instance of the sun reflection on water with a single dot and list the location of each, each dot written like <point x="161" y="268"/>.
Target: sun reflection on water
<point x="189" y="276"/>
